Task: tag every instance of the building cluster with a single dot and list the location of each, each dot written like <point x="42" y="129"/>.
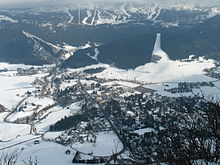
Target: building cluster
<point x="185" y="87"/>
<point x="138" y="119"/>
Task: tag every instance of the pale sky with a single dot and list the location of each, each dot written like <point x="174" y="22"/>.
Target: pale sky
<point x="27" y="3"/>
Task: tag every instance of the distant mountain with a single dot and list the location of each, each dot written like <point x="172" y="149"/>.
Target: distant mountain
<point x="124" y="33"/>
<point x="202" y="40"/>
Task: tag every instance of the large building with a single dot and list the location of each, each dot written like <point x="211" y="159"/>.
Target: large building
<point x="158" y="53"/>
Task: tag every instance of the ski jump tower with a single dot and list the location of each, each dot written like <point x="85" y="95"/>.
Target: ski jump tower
<point x="158" y="53"/>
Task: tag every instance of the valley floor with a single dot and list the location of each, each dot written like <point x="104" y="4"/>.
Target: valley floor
<point x="36" y="101"/>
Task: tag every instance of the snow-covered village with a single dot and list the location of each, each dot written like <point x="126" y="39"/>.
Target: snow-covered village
<point x="99" y="113"/>
<point x="111" y="83"/>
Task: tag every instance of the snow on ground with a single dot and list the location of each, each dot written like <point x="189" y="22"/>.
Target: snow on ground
<point x="8" y="19"/>
<point x="16" y="140"/>
<point x="95" y="56"/>
<point x="70" y="15"/>
<point x="88" y="82"/>
<point x="14" y="67"/>
<point x="163" y="71"/>
<point x="89" y="14"/>
<point x="158" y="52"/>
<point x="47" y="153"/>
<point x="57" y="114"/>
<point x="126" y="84"/>
<point x="52" y="135"/>
<point x="159" y="76"/>
<point x="29" y="106"/>
<point x="70" y="49"/>
<point x="3" y="115"/>
<point x="88" y="67"/>
<point x="13" y="88"/>
<point x="144" y="130"/>
<point x="161" y="87"/>
<point x="212" y="94"/>
<point x="110" y="83"/>
<point x="203" y="162"/>
<point x="67" y="83"/>
<point x="18" y="115"/>
<point x="10" y="131"/>
<point x="164" y="75"/>
<point x="106" y="144"/>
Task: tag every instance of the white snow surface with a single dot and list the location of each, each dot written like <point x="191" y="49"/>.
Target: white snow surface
<point x="14" y="67"/>
<point x="11" y="131"/>
<point x="126" y="84"/>
<point x="30" y="109"/>
<point x="47" y="153"/>
<point x="3" y="115"/>
<point x="95" y="56"/>
<point x="144" y="130"/>
<point x="89" y="14"/>
<point x="68" y="83"/>
<point x="58" y="114"/>
<point x="106" y="144"/>
<point x="33" y="37"/>
<point x="163" y="71"/>
<point x="8" y="19"/>
<point x="72" y="49"/>
<point x="13" y="88"/>
<point x="157" y="49"/>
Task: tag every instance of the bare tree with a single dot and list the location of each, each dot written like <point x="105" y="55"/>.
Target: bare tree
<point x="31" y="161"/>
<point x="9" y="158"/>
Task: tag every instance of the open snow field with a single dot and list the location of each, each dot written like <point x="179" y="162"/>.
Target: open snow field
<point x="45" y="152"/>
<point x="163" y="71"/>
<point x="13" y="87"/>
<point x="10" y="131"/>
<point x="55" y="114"/>
<point x="106" y="144"/>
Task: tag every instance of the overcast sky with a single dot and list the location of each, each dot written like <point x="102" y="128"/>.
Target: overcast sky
<point x="27" y="3"/>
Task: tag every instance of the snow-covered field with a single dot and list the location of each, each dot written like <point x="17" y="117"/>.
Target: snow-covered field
<point x="45" y="153"/>
<point x="165" y="74"/>
<point x="29" y="106"/>
<point x="11" y="131"/>
<point x="55" y="114"/>
<point x="106" y="144"/>
<point x="14" y="87"/>
<point x="163" y="71"/>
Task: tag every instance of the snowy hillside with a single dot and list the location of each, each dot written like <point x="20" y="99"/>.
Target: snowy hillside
<point x="116" y="13"/>
<point x="6" y="18"/>
<point x="48" y="35"/>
